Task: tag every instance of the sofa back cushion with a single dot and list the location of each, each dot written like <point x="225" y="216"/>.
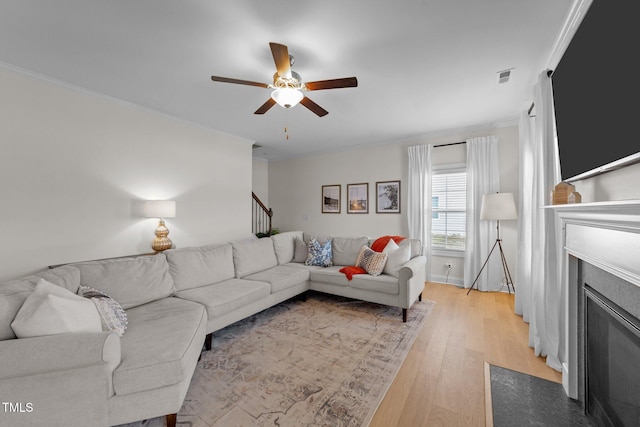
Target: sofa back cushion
<point x="283" y="244"/>
<point x="200" y="266"/>
<point x="416" y="246"/>
<point x="66" y="276"/>
<point x="345" y="249"/>
<point x="131" y="281"/>
<point x="253" y="256"/>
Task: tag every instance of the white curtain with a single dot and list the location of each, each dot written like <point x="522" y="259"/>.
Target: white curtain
<point x="482" y="178"/>
<point x="419" y="198"/>
<point x="538" y="294"/>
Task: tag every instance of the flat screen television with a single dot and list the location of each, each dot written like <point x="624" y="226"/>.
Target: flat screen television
<point x="595" y="91"/>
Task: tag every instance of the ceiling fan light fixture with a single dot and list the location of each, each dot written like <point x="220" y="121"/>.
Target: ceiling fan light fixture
<point x="287" y="97"/>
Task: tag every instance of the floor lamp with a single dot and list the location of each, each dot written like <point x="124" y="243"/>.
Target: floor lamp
<point x="497" y="207"/>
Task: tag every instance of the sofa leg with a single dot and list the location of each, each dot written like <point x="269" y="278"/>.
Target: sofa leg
<point x="171" y="420"/>
<point x="404" y="315"/>
<point x="207" y="341"/>
<point x="420" y="297"/>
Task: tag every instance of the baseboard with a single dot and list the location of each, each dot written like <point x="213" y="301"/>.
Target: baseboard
<point x="459" y="282"/>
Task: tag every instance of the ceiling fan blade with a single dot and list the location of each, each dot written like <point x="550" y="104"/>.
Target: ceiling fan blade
<point x="332" y="84"/>
<point x="266" y="106"/>
<point x="238" y="81"/>
<point x="280" y="54"/>
<point x="314" y="107"/>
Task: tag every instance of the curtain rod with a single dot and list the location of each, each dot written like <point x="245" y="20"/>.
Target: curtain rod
<point x="452" y="143"/>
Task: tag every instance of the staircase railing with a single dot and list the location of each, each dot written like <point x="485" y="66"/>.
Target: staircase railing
<point x="260" y="217"/>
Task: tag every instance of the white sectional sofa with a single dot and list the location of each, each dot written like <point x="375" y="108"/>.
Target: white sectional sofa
<point x="174" y="302"/>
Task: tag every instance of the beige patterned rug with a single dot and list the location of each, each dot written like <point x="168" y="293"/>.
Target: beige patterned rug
<point x="326" y="361"/>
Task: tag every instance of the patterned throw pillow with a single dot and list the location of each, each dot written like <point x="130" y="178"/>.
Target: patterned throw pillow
<point x="113" y="316"/>
<point x="373" y="262"/>
<point x="318" y="254"/>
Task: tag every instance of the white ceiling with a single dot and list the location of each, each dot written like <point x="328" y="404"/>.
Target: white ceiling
<point x="423" y="66"/>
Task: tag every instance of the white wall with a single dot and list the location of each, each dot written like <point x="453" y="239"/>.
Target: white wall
<point x="260" y="180"/>
<point x="621" y="184"/>
<point x="295" y="189"/>
<point x="75" y="168"/>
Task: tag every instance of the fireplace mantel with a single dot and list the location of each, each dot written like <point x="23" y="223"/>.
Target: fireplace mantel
<point x="607" y="235"/>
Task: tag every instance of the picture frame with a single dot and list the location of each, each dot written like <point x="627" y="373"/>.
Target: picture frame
<point x="358" y="198"/>
<point x="331" y="199"/>
<point x="388" y="197"/>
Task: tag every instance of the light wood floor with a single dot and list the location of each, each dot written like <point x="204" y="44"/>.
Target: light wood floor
<point x="441" y="382"/>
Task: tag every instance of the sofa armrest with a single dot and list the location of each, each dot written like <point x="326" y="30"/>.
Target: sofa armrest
<point x="28" y="356"/>
<point x="56" y="379"/>
<point x="411" y="280"/>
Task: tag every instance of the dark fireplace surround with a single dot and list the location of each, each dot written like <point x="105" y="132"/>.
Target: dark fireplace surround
<point x="608" y="347"/>
<point x="599" y="259"/>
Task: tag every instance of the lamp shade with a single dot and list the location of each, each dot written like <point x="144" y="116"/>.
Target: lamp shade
<point x="287" y="97"/>
<point x="160" y="208"/>
<point x="498" y="206"/>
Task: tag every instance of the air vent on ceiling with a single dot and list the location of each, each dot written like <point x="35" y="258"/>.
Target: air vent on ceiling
<point x="504" y="76"/>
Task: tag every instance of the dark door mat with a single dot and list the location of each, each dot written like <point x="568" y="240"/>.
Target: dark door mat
<point x="517" y="399"/>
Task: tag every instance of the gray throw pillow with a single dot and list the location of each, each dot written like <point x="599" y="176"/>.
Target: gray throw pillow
<point x="299" y="250"/>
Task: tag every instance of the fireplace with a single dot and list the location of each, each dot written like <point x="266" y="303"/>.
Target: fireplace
<point x="612" y="362"/>
<point x="601" y="308"/>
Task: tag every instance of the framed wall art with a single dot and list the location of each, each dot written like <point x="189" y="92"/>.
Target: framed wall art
<point x="331" y="198"/>
<point x="388" y="197"/>
<point x="358" y="198"/>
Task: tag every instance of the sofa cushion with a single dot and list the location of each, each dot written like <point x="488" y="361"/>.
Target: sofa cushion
<point x="159" y="336"/>
<point x="67" y="276"/>
<point x="332" y="275"/>
<point x="319" y="253"/>
<point x="345" y="249"/>
<point x="383" y="283"/>
<point x="12" y="295"/>
<point x="321" y="238"/>
<point x="51" y="309"/>
<point x="252" y="256"/>
<point x="416" y="246"/>
<point x="131" y="281"/>
<point x="397" y="256"/>
<point x="112" y="315"/>
<point x="199" y="266"/>
<point x="300" y="252"/>
<point x="281" y="277"/>
<point x="224" y="297"/>
<point x="283" y="244"/>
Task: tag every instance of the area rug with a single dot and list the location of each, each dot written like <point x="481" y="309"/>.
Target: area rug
<point x="515" y="398"/>
<point x="326" y="361"/>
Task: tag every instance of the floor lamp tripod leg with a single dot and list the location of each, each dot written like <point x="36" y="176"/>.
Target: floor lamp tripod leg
<point x="483" y="265"/>
<point x="507" y="273"/>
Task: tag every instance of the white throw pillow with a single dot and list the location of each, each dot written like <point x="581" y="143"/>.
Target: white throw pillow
<point x="52" y="309"/>
<point x="397" y="256"/>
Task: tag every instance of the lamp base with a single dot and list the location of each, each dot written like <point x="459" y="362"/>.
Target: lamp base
<point x="161" y="242"/>
<point x="505" y="268"/>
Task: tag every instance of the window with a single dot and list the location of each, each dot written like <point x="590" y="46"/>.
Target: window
<point x="448" y="209"/>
